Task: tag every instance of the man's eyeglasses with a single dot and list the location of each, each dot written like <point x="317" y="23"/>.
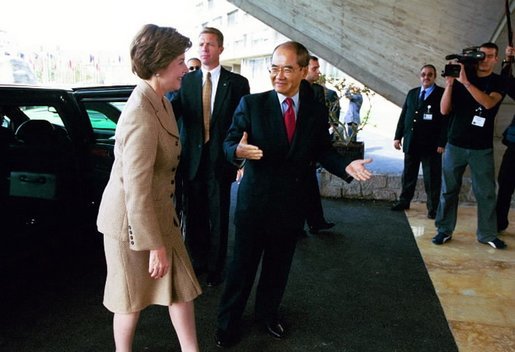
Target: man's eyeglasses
<point x="194" y="68"/>
<point x="275" y="70"/>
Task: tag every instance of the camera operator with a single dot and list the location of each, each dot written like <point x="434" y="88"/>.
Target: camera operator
<point x="471" y="103"/>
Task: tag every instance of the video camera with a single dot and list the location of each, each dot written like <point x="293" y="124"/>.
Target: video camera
<point x="469" y="58"/>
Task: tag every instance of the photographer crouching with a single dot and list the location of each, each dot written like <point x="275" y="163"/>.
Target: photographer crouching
<point x="471" y="101"/>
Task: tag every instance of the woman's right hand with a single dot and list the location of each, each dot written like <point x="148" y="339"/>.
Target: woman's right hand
<point x="158" y="263"/>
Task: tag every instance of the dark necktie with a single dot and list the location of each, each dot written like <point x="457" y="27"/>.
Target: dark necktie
<point x="422" y="97"/>
<point x="206" y="105"/>
<point x="289" y="119"/>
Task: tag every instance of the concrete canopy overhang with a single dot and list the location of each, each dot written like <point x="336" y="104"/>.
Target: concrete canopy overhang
<point x="383" y="43"/>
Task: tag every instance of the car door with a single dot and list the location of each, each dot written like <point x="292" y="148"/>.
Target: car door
<point x="39" y="177"/>
<point x="102" y="106"/>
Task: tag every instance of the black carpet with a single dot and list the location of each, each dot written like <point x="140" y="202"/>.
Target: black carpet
<point x="360" y="287"/>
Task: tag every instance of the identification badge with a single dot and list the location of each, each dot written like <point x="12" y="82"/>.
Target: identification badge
<point x="428" y="116"/>
<point x="478" y="121"/>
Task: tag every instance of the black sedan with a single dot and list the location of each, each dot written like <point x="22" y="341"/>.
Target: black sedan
<point x="56" y="151"/>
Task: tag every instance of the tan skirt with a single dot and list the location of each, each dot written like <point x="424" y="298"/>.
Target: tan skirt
<point x="129" y="287"/>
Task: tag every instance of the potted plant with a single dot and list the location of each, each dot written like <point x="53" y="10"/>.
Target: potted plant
<point x="344" y="137"/>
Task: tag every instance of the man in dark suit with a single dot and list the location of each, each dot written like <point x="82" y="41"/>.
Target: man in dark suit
<point x="424" y="134"/>
<point x="315" y="214"/>
<point x="278" y="135"/>
<point x="506" y="176"/>
<point x="205" y="105"/>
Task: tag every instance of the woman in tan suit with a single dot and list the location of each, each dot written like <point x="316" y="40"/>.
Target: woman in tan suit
<point x="147" y="262"/>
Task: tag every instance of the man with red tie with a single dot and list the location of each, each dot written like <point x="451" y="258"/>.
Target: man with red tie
<point x="278" y="135"/>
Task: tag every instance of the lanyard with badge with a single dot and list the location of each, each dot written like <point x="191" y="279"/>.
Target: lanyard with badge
<point x="428" y="116"/>
<point x="478" y="120"/>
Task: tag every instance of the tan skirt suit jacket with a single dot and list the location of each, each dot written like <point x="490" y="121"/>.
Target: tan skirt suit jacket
<point x="136" y="213"/>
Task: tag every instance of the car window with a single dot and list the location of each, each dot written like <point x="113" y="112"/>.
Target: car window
<point x="6" y="122"/>
<point x="104" y="114"/>
<point x="43" y="112"/>
<point x="100" y="121"/>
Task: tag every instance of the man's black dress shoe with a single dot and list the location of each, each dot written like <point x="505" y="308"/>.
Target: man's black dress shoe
<point x="214" y="279"/>
<point x="320" y="227"/>
<point x="399" y="206"/>
<point x="275" y="329"/>
<point x="431" y="215"/>
<point x="224" y="339"/>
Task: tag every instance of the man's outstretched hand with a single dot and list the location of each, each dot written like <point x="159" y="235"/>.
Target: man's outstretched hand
<point x="358" y="170"/>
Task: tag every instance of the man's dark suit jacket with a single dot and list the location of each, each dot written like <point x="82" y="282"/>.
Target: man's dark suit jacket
<point x="187" y="106"/>
<point x="422" y="136"/>
<point x="319" y="92"/>
<point x="273" y="190"/>
<point x="326" y="96"/>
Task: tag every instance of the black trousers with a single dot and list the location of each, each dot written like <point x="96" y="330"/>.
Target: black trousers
<point x="432" y="172"/>
<point x="254" y="244"/>
<point x="206" y="211"/>
<point x="506" y="179"/>
<point x="314" y="211"/>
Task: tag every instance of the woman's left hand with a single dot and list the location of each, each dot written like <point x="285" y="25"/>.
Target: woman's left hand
<point x="158" y="263"/>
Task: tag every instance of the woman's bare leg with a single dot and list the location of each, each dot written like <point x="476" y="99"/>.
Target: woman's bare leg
<point x="124" y="326"/>
<point x="183" y="319"/>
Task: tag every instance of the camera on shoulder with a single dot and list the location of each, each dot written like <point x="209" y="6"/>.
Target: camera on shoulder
<point x="469" y="57"/>
<point x="451" y="70"/>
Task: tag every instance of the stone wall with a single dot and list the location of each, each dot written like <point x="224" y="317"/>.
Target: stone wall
<point x="382" y="187"/>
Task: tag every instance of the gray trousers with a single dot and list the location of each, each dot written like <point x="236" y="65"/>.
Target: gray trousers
<point x="481" y="163"/>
